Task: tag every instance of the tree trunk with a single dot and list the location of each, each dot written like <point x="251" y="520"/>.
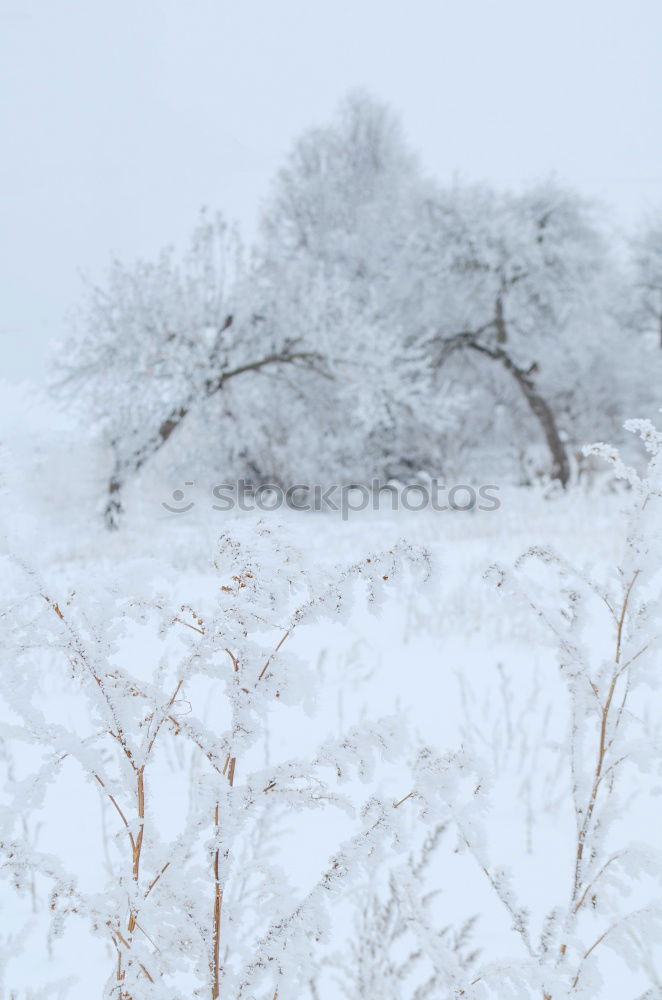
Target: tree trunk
<point x="540" y="408"/>
<point x="123" y="470"/>
<point x="543" y="413"/>
<point x="113" y="510"/>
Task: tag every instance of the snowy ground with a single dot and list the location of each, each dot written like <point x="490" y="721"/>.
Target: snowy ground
<point x="450" y="655"/>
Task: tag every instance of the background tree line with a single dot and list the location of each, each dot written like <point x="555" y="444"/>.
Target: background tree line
<point x="381" y="325"/>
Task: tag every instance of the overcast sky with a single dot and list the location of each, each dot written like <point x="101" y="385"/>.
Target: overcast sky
<point x="120" y="118"/>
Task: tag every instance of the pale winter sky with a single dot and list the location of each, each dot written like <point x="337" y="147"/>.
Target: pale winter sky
<point x="120" y="118"/>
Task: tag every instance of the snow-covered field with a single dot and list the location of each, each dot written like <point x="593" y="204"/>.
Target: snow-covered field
<point x="499" y="746"/>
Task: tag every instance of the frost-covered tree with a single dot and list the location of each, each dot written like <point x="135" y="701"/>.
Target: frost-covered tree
<point x="449" y="301"/>
<point x="341" y="210"/>
<point x="517" y="281"/>
<point x="161" y="339"/>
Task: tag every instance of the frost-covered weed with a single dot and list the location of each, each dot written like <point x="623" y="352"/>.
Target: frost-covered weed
<point x="607" y="636"/>
<point x="186" y="891"/>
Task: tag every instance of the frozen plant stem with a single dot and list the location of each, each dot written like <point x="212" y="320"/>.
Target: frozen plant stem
<point x="136" y="844"/>
<point x="602" y="746"/>
<point x="218" y="893"/>
<point x="121" y="941"/>
<point x="228" y="771"/>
